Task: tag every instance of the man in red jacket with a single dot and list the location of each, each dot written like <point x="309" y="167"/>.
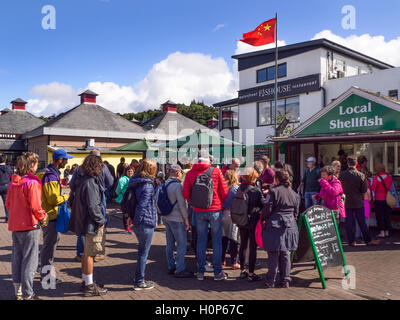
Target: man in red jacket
<point x="212" y="215"/>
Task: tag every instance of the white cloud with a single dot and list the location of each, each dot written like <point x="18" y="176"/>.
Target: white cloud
<point x="180" y="77"/>
<point x="218" y="26"/>
<point x="242" y="47"/>
<point x="373" y="46"/>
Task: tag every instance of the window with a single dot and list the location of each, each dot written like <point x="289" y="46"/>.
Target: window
<point x="289" y="107"/>
<point x="394" y="94"/>
<point x="230" y="117"/>
<point x="264" y="113"/>
<point x="268" y="74"/>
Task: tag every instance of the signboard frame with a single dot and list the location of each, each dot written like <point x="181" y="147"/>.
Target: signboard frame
<point x="303" y="219"/>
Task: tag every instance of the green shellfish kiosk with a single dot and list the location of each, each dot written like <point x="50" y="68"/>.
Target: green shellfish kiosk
<point x="360" y="122"/>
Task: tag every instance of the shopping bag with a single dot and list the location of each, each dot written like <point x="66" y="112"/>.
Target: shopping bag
<point x="258" y="235"/>
<point x="63" y="218"/>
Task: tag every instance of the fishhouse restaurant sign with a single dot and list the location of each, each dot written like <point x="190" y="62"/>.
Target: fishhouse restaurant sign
<point x="285" y="88"/>
<point x="355" y="114"/>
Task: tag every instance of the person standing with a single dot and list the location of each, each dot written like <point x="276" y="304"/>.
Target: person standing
<point x="230" y="231"/>
<point x="280" y="233"/>
<point x="176" y="225"/>
<point x="5" y="174"/>
<point x="87" y="220"/>
<point x="255" y="202"/>
<point x="51" y="198"/>
<point x="267" y="176"/>
<point x="206" y="189"/>
<point x="331" y="192"/>
<point x="143" y="218"/>
<point x="121" y="168"/>
<point x="106" y="181"/>
<point x="122" y="186"/>
<point x="24" y="204"/>
<point x="234" y="165"/>
<point x="337" y="166"/>
<point x="310" y="182"/>
<point x="355" y="185"/>
<point x="380" y="186"/>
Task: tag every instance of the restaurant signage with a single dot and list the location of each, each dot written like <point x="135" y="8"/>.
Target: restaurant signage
<point x="285" y="88"/>
<point x="355" y="114"/>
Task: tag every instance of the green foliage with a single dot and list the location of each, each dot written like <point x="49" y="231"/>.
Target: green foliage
<point x="197" y="111"/>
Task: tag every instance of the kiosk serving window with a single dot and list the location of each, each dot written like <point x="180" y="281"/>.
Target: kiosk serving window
<point x="289" y="107"/>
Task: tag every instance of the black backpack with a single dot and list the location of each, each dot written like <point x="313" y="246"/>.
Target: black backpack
<point x="203" y="190"/>
<point x="240" y="208"/>
<point x="128" y="203"/>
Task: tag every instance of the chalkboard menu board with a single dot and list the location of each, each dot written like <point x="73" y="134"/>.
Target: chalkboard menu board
<point x="323" y="240"/>
<point x="325" y="237"/>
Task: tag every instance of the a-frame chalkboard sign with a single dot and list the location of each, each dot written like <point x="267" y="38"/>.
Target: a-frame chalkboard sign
<point x="324" y="238"/>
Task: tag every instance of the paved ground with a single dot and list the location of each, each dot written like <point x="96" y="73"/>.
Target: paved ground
<point x="377" y="273"/>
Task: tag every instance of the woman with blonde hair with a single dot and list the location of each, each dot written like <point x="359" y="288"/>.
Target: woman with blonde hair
<point x="337" y="166"/>
<point x="230" y="231"/>
<point x="143" y="219"/>
<point x="24" y="201"/>
<point x="255" y="203"/>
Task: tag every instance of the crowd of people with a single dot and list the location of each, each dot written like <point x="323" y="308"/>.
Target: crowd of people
<point x="226" y="206"/>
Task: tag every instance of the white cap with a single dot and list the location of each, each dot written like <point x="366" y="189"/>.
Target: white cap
<point x="311" y="159"/>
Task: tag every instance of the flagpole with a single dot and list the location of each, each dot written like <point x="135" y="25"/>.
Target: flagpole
<point x="276" y="71"/>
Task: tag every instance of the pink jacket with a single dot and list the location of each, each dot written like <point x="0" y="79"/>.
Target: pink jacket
<point x="24" y="201"/>
<point x="331" y="192"/>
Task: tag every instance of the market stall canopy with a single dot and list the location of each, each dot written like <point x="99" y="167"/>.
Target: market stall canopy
<point x="140" y="145"/>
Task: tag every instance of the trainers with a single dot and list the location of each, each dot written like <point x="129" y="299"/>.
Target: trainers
<point x="284" y="284"/>
<point x="184" y="274"/>
<point x="254" y="277"/>
<point x="32" y="297"/>
<point x="83" y="286"/>
<point x="94" y="290"/>
<point x="128" y="231"/>
<point x="269" y="284"/>
<point x="221" y="276"/>
<point x="243" y="275"/>
<point x="236" y="266"/>
<point x="200" y="276"/>
<point x="209" y="267"/>
<point x="145" y="285"/>
<point x="373" y="243"/>
<point x="19" y="297"/>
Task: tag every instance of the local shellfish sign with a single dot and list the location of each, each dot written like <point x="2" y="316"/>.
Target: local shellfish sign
<point x="354" y="114"/>
<point x="361" y="121"/>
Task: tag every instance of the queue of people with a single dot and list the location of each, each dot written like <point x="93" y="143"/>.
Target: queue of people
<point x="219" y="204"/>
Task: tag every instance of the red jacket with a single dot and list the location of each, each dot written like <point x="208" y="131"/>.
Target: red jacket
<point x="24" y="201"/>
<point x="378" y="187"/>
<point x="220" y="186"/>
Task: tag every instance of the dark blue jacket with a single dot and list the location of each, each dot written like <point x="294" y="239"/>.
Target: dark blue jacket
<point x="146" y="210"/>
<point x="5" y="173"/>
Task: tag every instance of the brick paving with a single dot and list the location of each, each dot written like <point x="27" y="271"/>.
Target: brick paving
<point x="377" y="273"/>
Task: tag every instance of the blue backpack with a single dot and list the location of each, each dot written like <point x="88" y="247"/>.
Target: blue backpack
<point x="163" y="203"/>
<point x="63" y="218"/>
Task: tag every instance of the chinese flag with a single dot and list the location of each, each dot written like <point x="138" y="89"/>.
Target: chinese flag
<point x="263" y="34"/>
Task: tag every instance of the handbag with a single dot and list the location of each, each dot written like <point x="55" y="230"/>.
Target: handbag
<point x="258" y="234"/>
<point x="63" y="218"/>
<point x="390" y="199"/>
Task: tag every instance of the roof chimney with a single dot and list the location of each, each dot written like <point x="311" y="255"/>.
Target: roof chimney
<point x="18" y="104"/>
<point x="211" y="123"/>
<point x="88" y="97"/>
<point x="169" y="106"/>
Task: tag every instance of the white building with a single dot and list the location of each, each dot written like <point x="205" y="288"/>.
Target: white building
<point x="310" y="75"/>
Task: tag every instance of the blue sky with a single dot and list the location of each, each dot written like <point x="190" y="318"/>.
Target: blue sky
<point x="119" y="41"/>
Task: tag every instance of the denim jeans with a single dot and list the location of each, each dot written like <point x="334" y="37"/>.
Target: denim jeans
<point x="80" y="245"/>
<point x="309" y="202"/>
<point x="144" y="234"/>
<point x="176" y="233"/>
<point x="214" y="219"/>
<point x="351" y="216"/>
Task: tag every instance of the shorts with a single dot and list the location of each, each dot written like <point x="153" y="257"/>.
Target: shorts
<point x="95" y="244"/>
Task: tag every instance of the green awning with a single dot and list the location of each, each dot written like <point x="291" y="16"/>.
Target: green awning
<point x="140" y="145"/>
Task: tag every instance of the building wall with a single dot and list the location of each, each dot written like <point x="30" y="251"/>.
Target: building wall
<point x="81" y="141"/>
<point x="380" y="81"/>
<point x="39" y="146"/>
